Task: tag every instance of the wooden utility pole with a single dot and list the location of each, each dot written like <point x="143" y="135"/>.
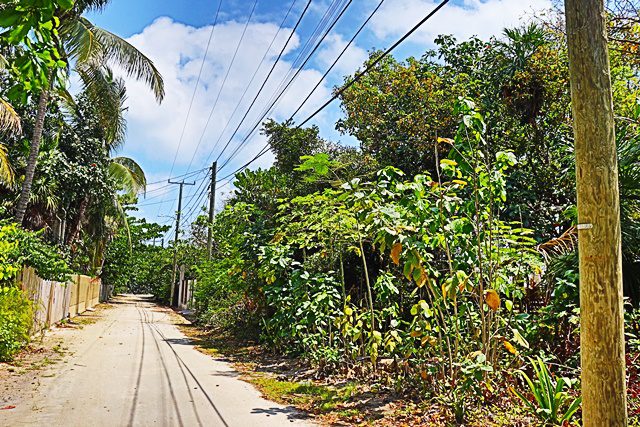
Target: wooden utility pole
<point x="599" y="239"/>
<point x="175" y="246"/>
<point x="212" y="206"/>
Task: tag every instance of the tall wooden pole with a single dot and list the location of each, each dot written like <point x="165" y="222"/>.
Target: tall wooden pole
<point x="173" y="300"/>
<point x="212" y="206"/>
<point x="599" y="239"/>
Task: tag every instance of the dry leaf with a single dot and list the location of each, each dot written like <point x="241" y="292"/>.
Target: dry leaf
<point x="493" y="299"/>
<point x="422" y="280"/>
<point x="446" y="140"/>
<point x="395" y="253"/>
<point x="510" y="348"/>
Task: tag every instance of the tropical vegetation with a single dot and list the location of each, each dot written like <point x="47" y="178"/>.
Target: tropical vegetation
<point x="437" y="259"/>
<point x="64" y="190"/>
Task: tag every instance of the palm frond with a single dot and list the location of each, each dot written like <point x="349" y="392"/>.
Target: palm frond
<point x="107" y="98"/>
<point x="128" y="174"/>
<point x="9" y="119"/>
<point x="6" y="171"/>
<point x="80" y="42"/>
<point x="91" y="5"/>
<point x="566" y="243"/>
<point x="118" y="51"/>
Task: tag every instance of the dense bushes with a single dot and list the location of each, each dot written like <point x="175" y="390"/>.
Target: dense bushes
<point x="19" y="248"/>
<point x="15" y="321"/>
<point x="420" y="271"/>
<point x="452" y="277"/>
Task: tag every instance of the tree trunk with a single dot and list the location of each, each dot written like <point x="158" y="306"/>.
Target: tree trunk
<point x="599" y="240"/>
<point x="77" y="223"/>
<point x="25" y="194"/>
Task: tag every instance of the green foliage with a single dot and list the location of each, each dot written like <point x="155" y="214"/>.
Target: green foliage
<point x="552" y="403"/>
<point x="15" y="321"/>
<point x="19" y="248"/>
<point x="417" y="270"/>
<point x="133" y="264"/>
<point x="32" y="28"/>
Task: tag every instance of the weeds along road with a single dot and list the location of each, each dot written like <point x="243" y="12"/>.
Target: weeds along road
<point x="135" y="368"/>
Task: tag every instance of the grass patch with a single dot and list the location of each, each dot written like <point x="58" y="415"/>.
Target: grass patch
<point x="84" y="320"/>
<point x="315" y="398"/>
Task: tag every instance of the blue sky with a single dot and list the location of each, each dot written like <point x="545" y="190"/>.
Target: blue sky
<point x="174" y="33"/>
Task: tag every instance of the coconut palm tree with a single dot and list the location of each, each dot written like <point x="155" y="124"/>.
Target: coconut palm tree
<point x="9" y="122"/>
<point x="124" y="172"/>
<point x="91" y="49"/>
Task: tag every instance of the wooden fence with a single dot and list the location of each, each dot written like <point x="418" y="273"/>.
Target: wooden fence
<point x="56" y="301"/>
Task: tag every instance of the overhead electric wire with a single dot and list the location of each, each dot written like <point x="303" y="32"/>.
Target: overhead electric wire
<point x="335" y="62"/>
<point x="326" y="73"/>
<point x="191" y="196"/>
<point x="224" y="81"/>
<point x="358" y="76"/>
<point x="262" y="86"/>
<point x="177" y="177"/>
<point x="195" y="89"/>
<point x="316" y="47"/>
<point x="374" y="63"/>
<point x="317" y="31"/>
<point x="264" y="57"/>
<point x="165" y="194"/>
<point x="255" y="98"/>
<point x="300" y="57"/>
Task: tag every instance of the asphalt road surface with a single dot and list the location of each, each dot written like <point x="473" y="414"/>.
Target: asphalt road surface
<point x="135" y="368"/>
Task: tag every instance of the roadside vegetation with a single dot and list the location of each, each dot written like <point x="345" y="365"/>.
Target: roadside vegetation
<point x="436" y="262"/>
<point x="433" y="267"/>
<point x="63" y="188"/>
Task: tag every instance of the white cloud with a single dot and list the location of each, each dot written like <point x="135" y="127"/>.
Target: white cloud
<point x="353" y="58"/>
<point x="462" y="19"/>
<point x="177" y="50"/>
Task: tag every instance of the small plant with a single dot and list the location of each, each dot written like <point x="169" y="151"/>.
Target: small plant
<point x="551" y="396"/>
<point x="15" y="321"/>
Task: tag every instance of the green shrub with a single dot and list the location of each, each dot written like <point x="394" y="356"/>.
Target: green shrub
<point x="15" y="321"/>
<point x="19" y="248"/>
<point x="551" y="403"/>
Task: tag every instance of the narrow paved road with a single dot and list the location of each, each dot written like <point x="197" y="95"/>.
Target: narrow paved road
<point x="135" y="368"/>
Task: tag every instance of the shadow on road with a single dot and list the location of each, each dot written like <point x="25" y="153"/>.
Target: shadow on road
<point x="291" y="412"/>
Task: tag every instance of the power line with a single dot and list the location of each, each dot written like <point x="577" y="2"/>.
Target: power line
<point x="284" y="47"/>
<point x="195" y="89"/>
<point x="335" y="62"/>
<point x="374" y="63"/>
<point x="226" y="76"/>
<point x="247" y="87"/>
<point x="264" y="57"/>
<point x="324" y="76"/>
<point x="317" y="32"/>
<point x="316" y="47"/>
<point x="176" y="177"/>
<point x="358" y="76"/>
<point x="224" y="81"/>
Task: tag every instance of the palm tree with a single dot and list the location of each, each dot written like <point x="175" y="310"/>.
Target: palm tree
<point x="91" y="49"/>
<point x="125" y="172"/>
<point x="9" y="122"/>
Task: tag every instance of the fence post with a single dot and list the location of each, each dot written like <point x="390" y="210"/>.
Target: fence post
<point x="50" y="305"/>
